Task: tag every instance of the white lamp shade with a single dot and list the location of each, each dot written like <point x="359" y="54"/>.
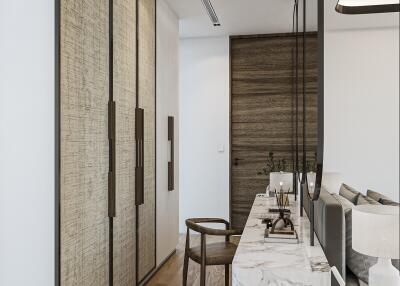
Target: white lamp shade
<point x="275" y="178"/>
<point x="376" y="230"/>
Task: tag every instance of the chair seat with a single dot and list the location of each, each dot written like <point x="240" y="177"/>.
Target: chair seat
<point x="219" y="253"/>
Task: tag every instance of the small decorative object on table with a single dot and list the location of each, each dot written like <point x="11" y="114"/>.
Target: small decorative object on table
<point x="282" y="200"/>
<point x="281" y="236"/>
<point x="282" y="229"/>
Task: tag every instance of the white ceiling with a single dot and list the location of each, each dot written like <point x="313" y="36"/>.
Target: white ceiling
<point x="240" y="17"/>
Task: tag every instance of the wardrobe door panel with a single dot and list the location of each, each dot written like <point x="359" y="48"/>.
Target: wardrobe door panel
<point x="84" y="150"/>
<point x="124" y="71"/>
<point x="146" y="228"/>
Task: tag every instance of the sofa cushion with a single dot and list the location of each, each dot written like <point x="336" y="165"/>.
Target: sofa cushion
<point x="364" y="200"/>
<point x="375" y="195"/>
<point x="347" y="205"/>
<point x="349" y="193"/>
<point x="330" y="230"/>
<point x="388" y="202"/>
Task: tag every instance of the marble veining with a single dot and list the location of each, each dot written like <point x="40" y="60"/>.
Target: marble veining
<point x="260" y="263"/>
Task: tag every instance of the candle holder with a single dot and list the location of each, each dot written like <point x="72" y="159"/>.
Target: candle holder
<point x="282" y="200"/>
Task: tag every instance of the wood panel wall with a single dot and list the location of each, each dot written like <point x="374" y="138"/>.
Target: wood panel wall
<point x="147" y="211"/>
<point x="84" y="222"/>
<point x="262" y="111"/>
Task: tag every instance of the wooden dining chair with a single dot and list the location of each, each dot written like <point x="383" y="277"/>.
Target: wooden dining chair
<point x="219" y="253"/>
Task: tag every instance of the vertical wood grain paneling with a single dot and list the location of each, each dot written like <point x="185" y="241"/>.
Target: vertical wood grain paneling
<point x="146" y="228"/>
<point x="124" y="71"/>
<point x="84" y="150"/>
<point x="262" y="111"/>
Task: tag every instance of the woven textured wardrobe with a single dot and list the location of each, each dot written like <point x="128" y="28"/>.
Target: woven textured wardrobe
<point x="105" y="94"/>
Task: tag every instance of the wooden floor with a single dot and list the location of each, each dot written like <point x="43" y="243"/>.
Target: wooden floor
<point x="171" y="272"/>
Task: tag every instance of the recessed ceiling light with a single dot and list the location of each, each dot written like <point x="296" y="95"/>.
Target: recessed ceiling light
<point x="211" y="12"/>
<point x="367" y="6"/>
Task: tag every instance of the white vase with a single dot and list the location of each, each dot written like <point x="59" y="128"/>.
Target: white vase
<point x="384" y="273"/>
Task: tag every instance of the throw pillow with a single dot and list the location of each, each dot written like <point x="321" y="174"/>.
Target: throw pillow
<point x="375" y="195"/>
<point x="349" y="193"/>
<point x="388" y="202"/>
<point x="364" y="200"/>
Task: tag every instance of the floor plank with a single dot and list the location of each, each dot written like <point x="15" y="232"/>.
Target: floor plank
<point x="171" y="272"/>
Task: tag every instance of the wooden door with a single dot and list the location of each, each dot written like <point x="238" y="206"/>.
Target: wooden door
<point x="124" y="83"/>
<point x="146" y="240"/>
<point x="84" y="147"/>
<point x="262" y="112"/>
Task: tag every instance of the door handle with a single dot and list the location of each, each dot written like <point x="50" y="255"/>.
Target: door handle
<point x="111" y="171"/>
<point x="236" y="161"/>
<point x="139" y="169"/>
<point x="172" y="161"/>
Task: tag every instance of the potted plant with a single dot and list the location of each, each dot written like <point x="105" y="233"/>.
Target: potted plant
<point x="274" y="167"/>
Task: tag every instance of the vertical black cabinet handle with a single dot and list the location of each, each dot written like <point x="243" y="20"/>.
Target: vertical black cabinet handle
<point x="139" y="170"/>
<point x="111" y="172"/>
<point x="171" y="162"/>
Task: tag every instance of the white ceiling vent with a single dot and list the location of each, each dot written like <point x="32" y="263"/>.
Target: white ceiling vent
<point x="211" y="12"/>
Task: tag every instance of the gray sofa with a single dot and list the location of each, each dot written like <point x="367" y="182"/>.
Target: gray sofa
<point x="330" y="227"/>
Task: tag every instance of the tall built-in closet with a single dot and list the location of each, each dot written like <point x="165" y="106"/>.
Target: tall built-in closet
<point x="106" y="222"/>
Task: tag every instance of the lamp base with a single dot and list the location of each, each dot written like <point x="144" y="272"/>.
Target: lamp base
<point x="384" y="273"/>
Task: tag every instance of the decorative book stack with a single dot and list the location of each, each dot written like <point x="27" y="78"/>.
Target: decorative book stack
<point x="281" y="236"/>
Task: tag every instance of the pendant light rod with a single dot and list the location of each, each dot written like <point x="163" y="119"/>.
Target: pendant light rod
<point x="304" y="177"/>
<point x="297" y="88"/>
<point x="295" y="151"/>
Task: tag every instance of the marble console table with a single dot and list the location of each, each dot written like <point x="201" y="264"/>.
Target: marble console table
<point x="259" y="263"/>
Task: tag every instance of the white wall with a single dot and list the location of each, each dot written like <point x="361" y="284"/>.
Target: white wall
<point x="204" y="128"/>
<point x="167" y="105"/>
<point x="362" y="100"/>
<point x="27" y="143"/>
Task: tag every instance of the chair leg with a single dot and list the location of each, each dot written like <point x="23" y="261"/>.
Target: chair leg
<point x="203" y="275"/>
<point x="185" y="268"/>
<point x="203" y="260"/>
<point x="226" y="274"/>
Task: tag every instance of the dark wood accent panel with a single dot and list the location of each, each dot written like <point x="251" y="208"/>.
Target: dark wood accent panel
<point x="124" y="74"/>
<point x="84" y="146"/>
<point x="262" y="111"/>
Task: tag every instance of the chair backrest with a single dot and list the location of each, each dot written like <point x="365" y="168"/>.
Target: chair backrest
<point x="276" y="177"/>
<point x="194" y="224"/>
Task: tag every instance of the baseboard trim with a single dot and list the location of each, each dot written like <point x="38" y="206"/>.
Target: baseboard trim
<point x="154" y="272"/>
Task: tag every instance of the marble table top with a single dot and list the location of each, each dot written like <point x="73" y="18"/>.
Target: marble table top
<point x="259" y="263"/>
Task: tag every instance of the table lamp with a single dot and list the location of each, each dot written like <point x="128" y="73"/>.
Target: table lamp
<point x="376" y="233"/>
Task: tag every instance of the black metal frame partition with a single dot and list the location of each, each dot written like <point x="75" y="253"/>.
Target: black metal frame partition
<point x="320" y="128"/>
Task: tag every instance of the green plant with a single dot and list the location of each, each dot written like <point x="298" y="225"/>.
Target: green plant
<point x="311" y="165"/>
<point x="274" y="165"/>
